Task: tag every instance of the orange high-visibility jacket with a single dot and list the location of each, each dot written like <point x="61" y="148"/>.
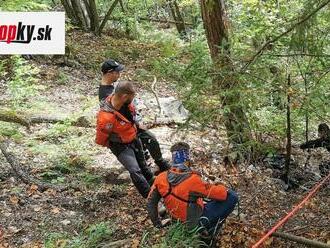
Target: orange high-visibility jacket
<point x="183" y="197"/>
<point x="113" y="126"/>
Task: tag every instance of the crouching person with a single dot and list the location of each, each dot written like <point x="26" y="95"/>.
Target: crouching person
<point x="183" y="191"/>
<point x="322" y="141"/>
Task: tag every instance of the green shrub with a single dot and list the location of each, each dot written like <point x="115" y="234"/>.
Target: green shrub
<point x="22" y="85"/>
<point x="62" y="79"/>
<point x="178" y="236"/>
<point x="114" y="53"/>
<point x="10" y="130"/>
<point x="90" y="179"/>
<point x="92" y="237"/>
<point x="24" y="5"/>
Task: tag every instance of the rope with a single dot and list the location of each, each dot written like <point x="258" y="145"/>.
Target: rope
<point x="290" y="214"/>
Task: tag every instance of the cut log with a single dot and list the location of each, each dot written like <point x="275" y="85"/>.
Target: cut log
<point x="27" y="121"/>
<point x="301" y="240"/>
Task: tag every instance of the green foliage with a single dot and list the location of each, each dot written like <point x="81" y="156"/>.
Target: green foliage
<point x="263" y="87"/>
<point x="23" y="84"/>
<point x="112" y="52"/>
<point x="2" y="66"/>
<point x="49" y="150"/>
<point x="62" y="78"/>
<point x="168" y="42"/>
<point x="192" y="79"/>
<point x="142" y="75"/>
<point x="90" y="179"/>
<point x="58" y="130"/>
<point x="10" y="130"/>
<point x="56" y="240"/>
<point x="178" y="236"/>
<point x="16" y="190"/>
<point x="24" y="5"/>
<point x="91" y="237"/>
<point x="119" y="189"/>
<point x="70" y="167"/>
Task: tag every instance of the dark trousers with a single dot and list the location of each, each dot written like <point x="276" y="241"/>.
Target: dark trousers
<point x="131" y="156"/>
<point x="150" y="143"/>
<point x="218" y="210"/>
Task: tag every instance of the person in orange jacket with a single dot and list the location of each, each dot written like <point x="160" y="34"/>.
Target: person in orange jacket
<point x="183" y="191"/>
<point x="116" y="128"/>
<point x="111" y="70"/>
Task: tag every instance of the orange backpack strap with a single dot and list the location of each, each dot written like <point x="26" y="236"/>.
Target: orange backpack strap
<point x="107" y="107"/>
<point x="169" y="192"/>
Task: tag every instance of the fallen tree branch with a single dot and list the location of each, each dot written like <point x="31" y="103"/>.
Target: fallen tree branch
<point x="79" y="122"/>
<point x="153" y="89"/>
<point x="280" y="223"/>
<point x="9" y="116"/>
<point x="301" y="240"/>
<point x="27" y="179"/>
<point x="164" y="21"/>
<point x="159" y="123"/>
<point x="297" y="54"/>
<point x="118" y="243"/>
<point x="82" y="121"/>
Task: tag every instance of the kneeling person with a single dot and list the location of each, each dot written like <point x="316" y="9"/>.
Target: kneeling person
<point x="183" y="191"/>
<point x="322" y="141"/>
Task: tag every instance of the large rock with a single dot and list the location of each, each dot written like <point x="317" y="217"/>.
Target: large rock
<point x="172" y="109"/>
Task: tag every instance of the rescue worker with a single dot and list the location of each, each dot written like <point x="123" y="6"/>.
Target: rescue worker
<point x="322" y="141"/>
<point x="111" y="70"/>
<point x="116" y="129"/>
<point x="183" y="191"/>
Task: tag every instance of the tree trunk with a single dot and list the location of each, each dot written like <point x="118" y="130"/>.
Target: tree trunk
<point x="68" y="10"/>
<point x="93" y="15"/>
<point x="84" y="5"/>
<point x="216" y="26"/>
<point x="288" y="132"/>
<point x="216" y="29"/>
<point x="78" y="12"/>
<point x="107" y="16"/>
<point x="88" y="15"/>
<point x="178" y="20"/>
<point x="122" y="6"/>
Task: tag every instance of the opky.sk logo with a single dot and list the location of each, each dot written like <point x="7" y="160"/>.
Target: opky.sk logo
<point x="21" y="33"/>
<point x="32" y="32"/>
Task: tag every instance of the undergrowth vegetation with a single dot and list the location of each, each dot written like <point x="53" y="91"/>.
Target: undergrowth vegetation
<point x="92" y="237"/>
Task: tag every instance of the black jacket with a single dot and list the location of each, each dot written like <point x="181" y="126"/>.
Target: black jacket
<point x="324" y="142"/>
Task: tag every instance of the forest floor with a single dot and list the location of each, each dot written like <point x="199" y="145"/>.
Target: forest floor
<point x="66" y="155"/>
